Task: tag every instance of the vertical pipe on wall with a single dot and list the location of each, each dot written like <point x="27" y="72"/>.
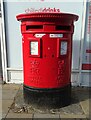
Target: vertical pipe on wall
<point x="82" y="41"/>
<point x="3" y="45"/>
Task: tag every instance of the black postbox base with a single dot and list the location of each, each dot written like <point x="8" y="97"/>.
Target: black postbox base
<point x="49" y="98"/>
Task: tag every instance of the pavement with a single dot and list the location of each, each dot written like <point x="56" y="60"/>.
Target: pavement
<point x="12" y="105"/>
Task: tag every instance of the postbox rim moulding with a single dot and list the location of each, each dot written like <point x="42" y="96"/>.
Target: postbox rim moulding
<point x="35" y="15"/>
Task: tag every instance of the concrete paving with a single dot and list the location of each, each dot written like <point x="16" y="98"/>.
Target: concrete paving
<point x="17" y="115"/>
<point x="0" y="106"/>
<point x="0" y="87"/>
<point x="52" y="116"/>
<point x="8" y="94"/>
<point x="11" y="86"/>
<point x="12" y="105"/>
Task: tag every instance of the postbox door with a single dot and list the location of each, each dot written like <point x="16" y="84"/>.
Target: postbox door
<point x="55" y="51"/>
<point x="49" y="47"/>
<point x="49" y="61"/>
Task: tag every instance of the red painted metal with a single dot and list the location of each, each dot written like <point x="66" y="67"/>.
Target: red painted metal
<point x="48" y="69"/>
<point x="88" y="51"/>
<point x="86" y="66"/>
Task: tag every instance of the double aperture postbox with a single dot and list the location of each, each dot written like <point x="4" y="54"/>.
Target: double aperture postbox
<point x="47" y="56"/>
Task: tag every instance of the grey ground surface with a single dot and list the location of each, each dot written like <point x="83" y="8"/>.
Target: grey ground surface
<point x="13" y="105"/>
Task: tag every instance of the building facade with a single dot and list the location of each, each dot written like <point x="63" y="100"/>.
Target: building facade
<point x="12" y="45"/>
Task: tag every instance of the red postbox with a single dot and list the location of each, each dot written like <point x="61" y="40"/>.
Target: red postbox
<point x="47" y="56"/>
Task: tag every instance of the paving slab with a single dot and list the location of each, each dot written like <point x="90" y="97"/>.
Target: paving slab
<point x="2" y="115"/>
<point x="6" y="104"/>
<point x="82" y="93"/>
<point x="39" y="116"/>
<point x="74" y="119"/>
<point x="72" y="116"/>
<point x="73" y="109"/>
<point x="11" y="86"/>
<point x="16" y="115"/>
<point x="0" y="94"/>
<point x="85" y="107"/>
<point x="0" y="86"/>
<point x="6" y="107"/>
<point x="9" y="94"/>
<point x="0" y="106"/>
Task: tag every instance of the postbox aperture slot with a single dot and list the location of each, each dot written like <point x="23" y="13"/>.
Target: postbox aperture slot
<point x="63" y="28"/>
<point x="33" y="27"/>
<point x="34" y="49"/>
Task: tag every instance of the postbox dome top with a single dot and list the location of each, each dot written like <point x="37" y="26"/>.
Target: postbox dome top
<point x="47" y="16"/>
